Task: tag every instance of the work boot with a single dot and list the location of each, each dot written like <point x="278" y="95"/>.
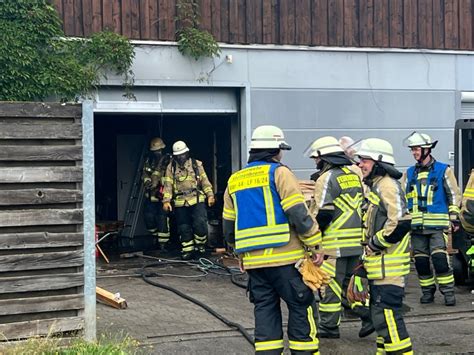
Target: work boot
<point x="187" y="255"/>
<point x="428" y="296"/>
<point x="449" y="299"/>
<point x="366" y="329"/>
<point x="200" y="249"/>
<point x="328" y="333"/>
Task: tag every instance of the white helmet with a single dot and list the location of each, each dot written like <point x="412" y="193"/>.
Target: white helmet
<point x="345" y="142"/>
<point x="268" y="137"/>
<point x="416" y="139"/>
<point x="376" y="149"/>
<point x="323" y="146"/>
<point x="179" y="148"/>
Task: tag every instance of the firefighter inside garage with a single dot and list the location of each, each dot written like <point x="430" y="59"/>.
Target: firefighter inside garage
<point x="127" y="145"/>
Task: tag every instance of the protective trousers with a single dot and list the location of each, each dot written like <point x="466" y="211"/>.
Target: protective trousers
<point x="432" y="245"/>
<point x="266" y="287"/>
<point x="192" y="226"/>
<point x="386" y="310"/>
<point x="156" y="221"/>
<point x="330" y="306"/>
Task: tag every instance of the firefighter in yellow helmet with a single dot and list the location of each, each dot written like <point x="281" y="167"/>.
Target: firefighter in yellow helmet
<point x="386" y="259"/>
<point x="186" y="186"/>
<point x="433" y="201"/>
<point x="267" y="222"/>
<point x="156" y="220"/>
<point x="336" y="204"/>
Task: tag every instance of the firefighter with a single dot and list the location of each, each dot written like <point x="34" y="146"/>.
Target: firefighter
<point x="186" y="187"/>
<point x="433" y="200"/>
<point x="337" y="200"/>
<point x="347" y="144"/>
<point x="156" y="220"/>
<point x="267" y="222"/>
<point x="386" y="259"/>
<point x="467" y="211"/>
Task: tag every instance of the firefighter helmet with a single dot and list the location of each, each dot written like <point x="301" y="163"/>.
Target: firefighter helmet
<point x="376" y="149"/>
<point x="323" y="146"/>
<point x="268" y="137"/>
<point x="179" y="148"/>
<point x="157" y="144"/>
<point x="416" y="139"/>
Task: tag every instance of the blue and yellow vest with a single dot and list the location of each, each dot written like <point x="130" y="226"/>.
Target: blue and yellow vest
<point x="428" y="203"/>
<point x="260" y="220"/>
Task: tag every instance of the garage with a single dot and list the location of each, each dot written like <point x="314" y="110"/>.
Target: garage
<point x="207" y="120"/>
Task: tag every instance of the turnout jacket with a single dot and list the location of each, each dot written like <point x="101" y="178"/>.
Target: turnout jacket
<point x="467" y="210"/>
<point x="337" y="200"/>
<point x="386" y="229"/>
<point x="154" y="171"/>
<point x="265" y="217"/>
<point x="186" y="185"/>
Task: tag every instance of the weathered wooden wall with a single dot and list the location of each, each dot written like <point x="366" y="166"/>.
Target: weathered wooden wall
<point x="437" y="24"/>
<point x="41" y="237"/>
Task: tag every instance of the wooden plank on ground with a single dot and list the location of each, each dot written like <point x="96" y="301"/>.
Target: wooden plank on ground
<point x="40" y="283"/>
<point x="40" y="153"/>
<point x="39" y="110"/>
<point x="40" y="174"/>
<point x="32" y="328"/>
<point x="319" y="28"/>
<point x="21" y="130"/>
<point x="39" y="196"/>
<point x="110" y="298"/>
<point x="303" y="22"/>
<point x="39" y="217"/>
<point x="41" y="261"/>
<point x="40" y="240"/>
<point x="396" y="23"/>
<point x="41" y="304"/>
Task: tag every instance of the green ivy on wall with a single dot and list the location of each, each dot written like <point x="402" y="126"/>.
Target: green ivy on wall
<point x="193" y="41"/>
<point x="38" y="62"/>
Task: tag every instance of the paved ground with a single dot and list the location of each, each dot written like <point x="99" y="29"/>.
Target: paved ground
<point x="167" y="324"/>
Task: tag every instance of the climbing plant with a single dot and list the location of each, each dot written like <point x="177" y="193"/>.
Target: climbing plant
<point x="38" y="62"/>
<point x="192" y="40"/>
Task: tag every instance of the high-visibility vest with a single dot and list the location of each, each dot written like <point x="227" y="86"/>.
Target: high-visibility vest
<point x="344" y="233"/>
<point x="428" y="203"/>
<point x="260" y="220"/>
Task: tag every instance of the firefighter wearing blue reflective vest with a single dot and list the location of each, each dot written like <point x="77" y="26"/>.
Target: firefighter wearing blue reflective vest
<point x="386" y="259"/>
<point x="336" y="204"/>
<point x="267" y="222"/>
<point x="433" y="200"/>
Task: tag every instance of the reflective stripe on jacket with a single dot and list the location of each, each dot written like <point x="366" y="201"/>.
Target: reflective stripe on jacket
<point x="467" y="210"/>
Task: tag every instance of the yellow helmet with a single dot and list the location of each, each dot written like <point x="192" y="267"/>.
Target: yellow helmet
<point x="323" y="146"/>
<point x="376" y="149"/>
<point x="268" y="137"/>
<point x="179" y="148"/>
<point x="157" y="144"/>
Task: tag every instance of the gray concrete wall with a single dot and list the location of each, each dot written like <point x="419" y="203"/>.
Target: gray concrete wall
<point x="312" y="93"/>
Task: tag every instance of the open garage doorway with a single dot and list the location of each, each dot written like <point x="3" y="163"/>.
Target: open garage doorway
<point x="120" y="141"/>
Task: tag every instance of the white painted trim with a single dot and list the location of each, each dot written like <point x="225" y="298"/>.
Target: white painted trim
<point x="148" y="107"/>
<point x="467" y="96"/>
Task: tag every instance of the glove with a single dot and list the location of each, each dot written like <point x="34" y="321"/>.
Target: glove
<point x="358" y="289"/>
<point x="211" y="200"/>
<point x="313" y="276"/>
<point x="167" y="206"/>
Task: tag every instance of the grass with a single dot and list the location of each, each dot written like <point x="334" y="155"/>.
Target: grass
<point x="106" y="344"/>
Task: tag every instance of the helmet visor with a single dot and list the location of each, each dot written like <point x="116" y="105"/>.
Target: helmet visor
<point x="353" y="149"/>
<point x="308" y="152"/>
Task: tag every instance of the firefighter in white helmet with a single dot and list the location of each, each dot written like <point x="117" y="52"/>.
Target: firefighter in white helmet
<point x="386" y="259"/>
<point x="433" y="200"/>
<point x="186" y="187"/>
<point x="156" y="220"/>
<point x="267" y="222"/>
<point x="347" y="143"/>
<point x="336" y="204"/>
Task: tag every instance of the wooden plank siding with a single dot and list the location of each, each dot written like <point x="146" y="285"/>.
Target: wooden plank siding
<point x="41" y="215"/>
<point x="436" y="24"/>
